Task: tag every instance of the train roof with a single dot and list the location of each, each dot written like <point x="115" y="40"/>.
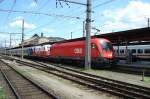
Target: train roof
<point x="64" y="41"/>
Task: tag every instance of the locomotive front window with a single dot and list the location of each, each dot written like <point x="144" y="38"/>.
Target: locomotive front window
<point x="107" y="46"/>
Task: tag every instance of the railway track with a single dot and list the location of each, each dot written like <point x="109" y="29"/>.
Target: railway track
<point x="114" y="87"/>
<point x="116" y="68"/>
<point x="22" y="87"/>
<point x="7" y="92"/>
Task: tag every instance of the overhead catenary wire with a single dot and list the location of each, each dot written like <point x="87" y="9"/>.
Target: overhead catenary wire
<point x="10" y="33"/>
<point x="9" y="13"/>
<point x="109" y="1"/>
<point x="37" y="17"/>
<point x="101" y="4"/>
<point x="72" y="2"/>
<point x="41" y="26"/>
<point x="13" y="5"/>
<point x="98" y="5"/>
<point x="51" y="22"/>
<point x="104" y="3"/>
<point x="40" y="13"/>
<point x="68" y="1"/>
<point x="44" y="14"/>
<point x="72" y="10"/>
<point x="48" y="23"/>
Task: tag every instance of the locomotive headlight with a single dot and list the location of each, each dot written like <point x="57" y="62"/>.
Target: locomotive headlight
<point x="109" y="55"/>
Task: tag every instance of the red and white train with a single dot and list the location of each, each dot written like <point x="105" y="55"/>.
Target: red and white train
<point x="101" y="51"/>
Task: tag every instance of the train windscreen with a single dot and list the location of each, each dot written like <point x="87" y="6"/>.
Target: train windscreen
<point x="107" y="46"/>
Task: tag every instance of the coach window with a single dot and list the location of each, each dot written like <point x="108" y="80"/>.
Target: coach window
<point x="147" y="50"/>
<point x="140" y="51"/>
<point x="133" y="50"/>
<point x="122" y="51"/>
<point x="48" y="48"/>
<point x="116" y="51"/>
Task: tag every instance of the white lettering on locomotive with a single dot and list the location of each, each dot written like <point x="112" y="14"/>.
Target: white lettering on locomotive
<point x="78" y="50"/>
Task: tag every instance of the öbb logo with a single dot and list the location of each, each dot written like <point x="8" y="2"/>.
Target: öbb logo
<point x="78" y="50"/>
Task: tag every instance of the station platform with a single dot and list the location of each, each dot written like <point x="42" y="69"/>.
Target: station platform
<point x="139" y="64"/>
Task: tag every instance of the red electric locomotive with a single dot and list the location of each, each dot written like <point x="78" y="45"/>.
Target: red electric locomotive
<point x="101" y="51"/>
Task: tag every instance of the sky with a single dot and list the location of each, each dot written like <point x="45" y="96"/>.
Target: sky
<point x="108" y="16"/>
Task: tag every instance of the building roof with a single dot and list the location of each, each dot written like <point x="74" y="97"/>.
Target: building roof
<point x="142" y="34"/>
<point x="36" y="40"/>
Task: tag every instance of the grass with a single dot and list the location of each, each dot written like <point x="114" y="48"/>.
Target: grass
<point x="2" y="93"/>
<point x="147" y="79"/>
